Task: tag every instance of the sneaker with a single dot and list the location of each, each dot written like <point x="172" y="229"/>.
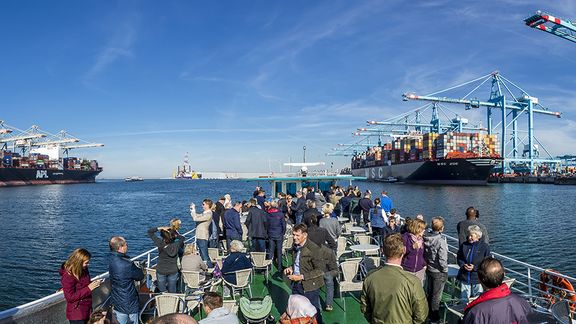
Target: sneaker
<point x="329" y="308"/>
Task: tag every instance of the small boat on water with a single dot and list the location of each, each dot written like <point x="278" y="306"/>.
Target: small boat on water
<point x="133" y="179"/>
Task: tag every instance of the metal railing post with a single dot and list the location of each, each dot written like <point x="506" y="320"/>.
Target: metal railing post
<point x="530" y="284"/>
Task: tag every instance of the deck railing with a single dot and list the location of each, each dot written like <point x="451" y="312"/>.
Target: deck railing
<point x="50" y="309"/>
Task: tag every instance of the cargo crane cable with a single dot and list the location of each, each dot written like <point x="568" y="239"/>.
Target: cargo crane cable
<point x="559" y="287"/>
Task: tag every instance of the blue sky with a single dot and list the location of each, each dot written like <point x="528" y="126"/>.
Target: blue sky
<point x="243" y="85"/>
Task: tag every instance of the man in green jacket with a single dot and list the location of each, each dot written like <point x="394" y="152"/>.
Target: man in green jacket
<point x="392" y="295"/>
<point x="307" y="273"/>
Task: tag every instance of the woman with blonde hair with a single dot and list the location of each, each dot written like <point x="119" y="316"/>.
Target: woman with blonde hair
<point x="77" y="287"/>
<point x="330" y="223"/>
<point x="192" y="261"/>
<point x="413" y="260"/>
<point x="203" y="222"/>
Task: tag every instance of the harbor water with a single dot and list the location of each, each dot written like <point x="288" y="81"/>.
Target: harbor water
<point x="43" y="224"/>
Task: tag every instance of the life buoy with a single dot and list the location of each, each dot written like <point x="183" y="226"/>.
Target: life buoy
<point x="558" y="289"/>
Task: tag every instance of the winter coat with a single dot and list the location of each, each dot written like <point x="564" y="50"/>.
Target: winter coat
<point x="366" y="204"/>
<point x="232" y="225"/>
<point x="234" y="262"/>
<point x="376" y="217"/>
<point x="413" y="260"/>
<point x="311" y="265"/>
<point x="261" y="200"/>
<point x="257" y="223"/>
<point x="330" y="263"/>
<point x="299" y="206"/>
<point x="436" y="252"/>
<point x="320" y="236"/>
<point x="123" y="273"/>
<point x="308" y="215"/>
<point x="499" y="306"/>
<point x="203" y="222"/>
<point x="276" y="224"/>
<point x="167" y="253"/>
<point x="345" y="204"/>
<point x="77" y="294"/>
<point x="471" y="253"/>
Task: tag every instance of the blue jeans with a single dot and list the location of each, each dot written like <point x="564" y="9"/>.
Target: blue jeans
<point x="171" y="280"/>
<point x="203" y="249"/>
<point x="126" y="318"/>
<point x="258" y="245"/>
<point x="467" y="291"/>
<point x="329" y="284"/>
<point x="313" y="296"/>
<point x="299" y="216"/>
<point x="276" y="251"/>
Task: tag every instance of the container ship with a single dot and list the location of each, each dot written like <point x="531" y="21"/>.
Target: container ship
<point x="185" y="172"/>
<point x="431" y="158"/>
<point x="34" y="157"/>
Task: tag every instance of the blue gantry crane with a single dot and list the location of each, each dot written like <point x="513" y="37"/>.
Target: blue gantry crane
<point x="518" y="143"/>
<point x="553" y="25"/>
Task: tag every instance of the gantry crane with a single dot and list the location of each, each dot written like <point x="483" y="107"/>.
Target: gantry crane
<point x="512" y="106"/>
<point x="553" y="25"/>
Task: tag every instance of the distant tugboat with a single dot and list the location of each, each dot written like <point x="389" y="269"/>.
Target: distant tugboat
<point x="185" y="172"/>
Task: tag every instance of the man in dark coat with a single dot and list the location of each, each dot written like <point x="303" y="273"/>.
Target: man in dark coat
<point x="123" y="273"/>
<point x="497" y="304"/>
<point x="299" y="207"/>
<point x="257" y="223"/>
<point x="232" y="224"/>
<point x="312" y="210"/>
<point x="319" y="235"/>
<point x="366" y="204"/>
<point x="276" y="230"/>
<point x="471" y="219"/>
<point x="307" y="273"/>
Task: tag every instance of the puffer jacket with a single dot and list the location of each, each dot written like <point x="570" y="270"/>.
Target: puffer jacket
<point x="413" y="260"/>
<point x="123" y="273"/>
<point x="436" y="252"/>
<point x="376" y="218"/>
<point x="77" y="294"/>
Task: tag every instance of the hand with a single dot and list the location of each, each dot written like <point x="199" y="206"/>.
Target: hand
<point x="94" y="284"/>
<point x="288" y="271"/>
<point x="469" y="267"/>
<point x="295" y="277"/>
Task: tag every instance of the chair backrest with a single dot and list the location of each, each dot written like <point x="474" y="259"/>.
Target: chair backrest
<point x="152" y="273"/>
<point x="288" y="242"/>
<point x="219" y="262"/>
<point x="341" y="244"/>
<point x="372" y="262"/>
<point x="258" y="258"/>
<point x="191" y="278"/>
<point x="347" y="227"/>
<point x="230" y="305"/>
<point x="213" y="254"/>
<point x="349" y="269"/>
<point x="167" y="303"/>
<point x="363" y="239"/>
<point x="243" y="277"/>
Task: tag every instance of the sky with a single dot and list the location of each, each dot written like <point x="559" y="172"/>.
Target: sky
<point x="244" y="85"/>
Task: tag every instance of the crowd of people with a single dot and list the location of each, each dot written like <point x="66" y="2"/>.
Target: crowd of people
<point x="406" y="289"/>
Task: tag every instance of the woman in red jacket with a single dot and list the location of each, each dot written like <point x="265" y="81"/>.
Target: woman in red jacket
<point x="77" y="286"/>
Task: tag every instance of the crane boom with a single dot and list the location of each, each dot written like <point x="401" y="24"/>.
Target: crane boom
<point x="21" y="138"/>
<point x="477" y="103"/>
<point x="56" y="142"/>
<point x="559" y="27"/>
<point x="69" y="147"/>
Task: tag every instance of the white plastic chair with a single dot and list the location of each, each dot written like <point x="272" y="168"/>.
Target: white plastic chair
<point x="213" y="254"/>
<point x="349" y="271"/>
<point x="191" y="279"/>
<point x="242" y="282"/>
<point x="287" y="246"/>
<point x="259" y="262"/>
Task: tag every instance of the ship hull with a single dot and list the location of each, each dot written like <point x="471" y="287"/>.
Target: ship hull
<point x="10" y="177"/>
<point x="440" y="172"/>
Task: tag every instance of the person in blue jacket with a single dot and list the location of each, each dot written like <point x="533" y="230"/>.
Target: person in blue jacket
<point x="470" y="255"/>
<point x="235" y="261"/>
<point x="123" y="273"/>
<point x="276" y="230"/>
<point x="232" y="225"/>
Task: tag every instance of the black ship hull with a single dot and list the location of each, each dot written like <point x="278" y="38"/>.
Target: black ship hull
<point x="474" y="171"/>
<point x="26" y="176"/>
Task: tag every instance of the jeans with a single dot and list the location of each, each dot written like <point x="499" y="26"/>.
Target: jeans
<point x="313" y="296"/>
<point x="258" y="245"/>
<point x="171" y="280"/>
<point x="203" y="249"/>
<point x="275" y="250"/>
<point x="299" y="216"/>
<point x="436" y="281"/>
<point x="126" y="318"/>
<point x="356" y="219"/>
<point x="468" y="291"/>
<point x="329" y="284"/>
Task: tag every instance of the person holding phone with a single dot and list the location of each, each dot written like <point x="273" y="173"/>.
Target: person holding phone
<point x="77" y="286"/>
<point x="470" y="255"/>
